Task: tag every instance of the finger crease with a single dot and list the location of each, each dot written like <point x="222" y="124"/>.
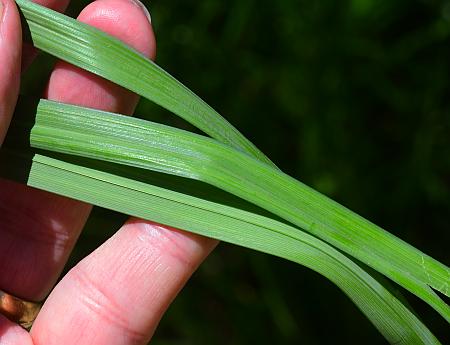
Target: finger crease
<point x="102" y="304"/>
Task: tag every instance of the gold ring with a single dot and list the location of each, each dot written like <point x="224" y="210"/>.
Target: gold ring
<point x="18" y="310"/>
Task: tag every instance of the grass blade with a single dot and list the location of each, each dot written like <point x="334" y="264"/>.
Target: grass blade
<point x="228" y="167"/>
<point x="101" y="54"/>
<point x="143" y="144"/>
<point x="396" y="322"/>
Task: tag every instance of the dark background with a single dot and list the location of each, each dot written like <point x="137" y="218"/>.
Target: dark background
<point x="350" y="97"/>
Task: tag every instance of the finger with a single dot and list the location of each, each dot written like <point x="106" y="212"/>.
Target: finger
<point x="38" y="229"/>
<point x="118" y="294"/>
<point x="10" y="53"/>
<point x="13" y="334"/>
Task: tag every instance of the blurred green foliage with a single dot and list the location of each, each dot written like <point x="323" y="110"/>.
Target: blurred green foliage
<point x="351" y="97"/>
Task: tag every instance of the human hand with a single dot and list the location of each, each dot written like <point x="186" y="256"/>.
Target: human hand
<point x="117" y="294"/>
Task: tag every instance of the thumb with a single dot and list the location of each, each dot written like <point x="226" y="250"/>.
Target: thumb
<point x="10" y="57"/>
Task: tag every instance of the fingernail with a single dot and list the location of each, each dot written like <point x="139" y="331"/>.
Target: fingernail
<point x="144" y="9"/>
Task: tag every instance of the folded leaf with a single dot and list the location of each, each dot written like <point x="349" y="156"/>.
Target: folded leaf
<point x="89" y="48"/>
<point x="80" y="181"/>
<point x="143" y="144"/>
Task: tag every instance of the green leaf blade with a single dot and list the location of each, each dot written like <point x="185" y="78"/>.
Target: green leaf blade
<point x="143" y="144"/>
<point x="389" y="315"/>
<point x="293" y="201"/>
<point x="101" y="54"/>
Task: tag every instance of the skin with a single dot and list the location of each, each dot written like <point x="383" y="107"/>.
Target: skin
<point x="118" y="294"/>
